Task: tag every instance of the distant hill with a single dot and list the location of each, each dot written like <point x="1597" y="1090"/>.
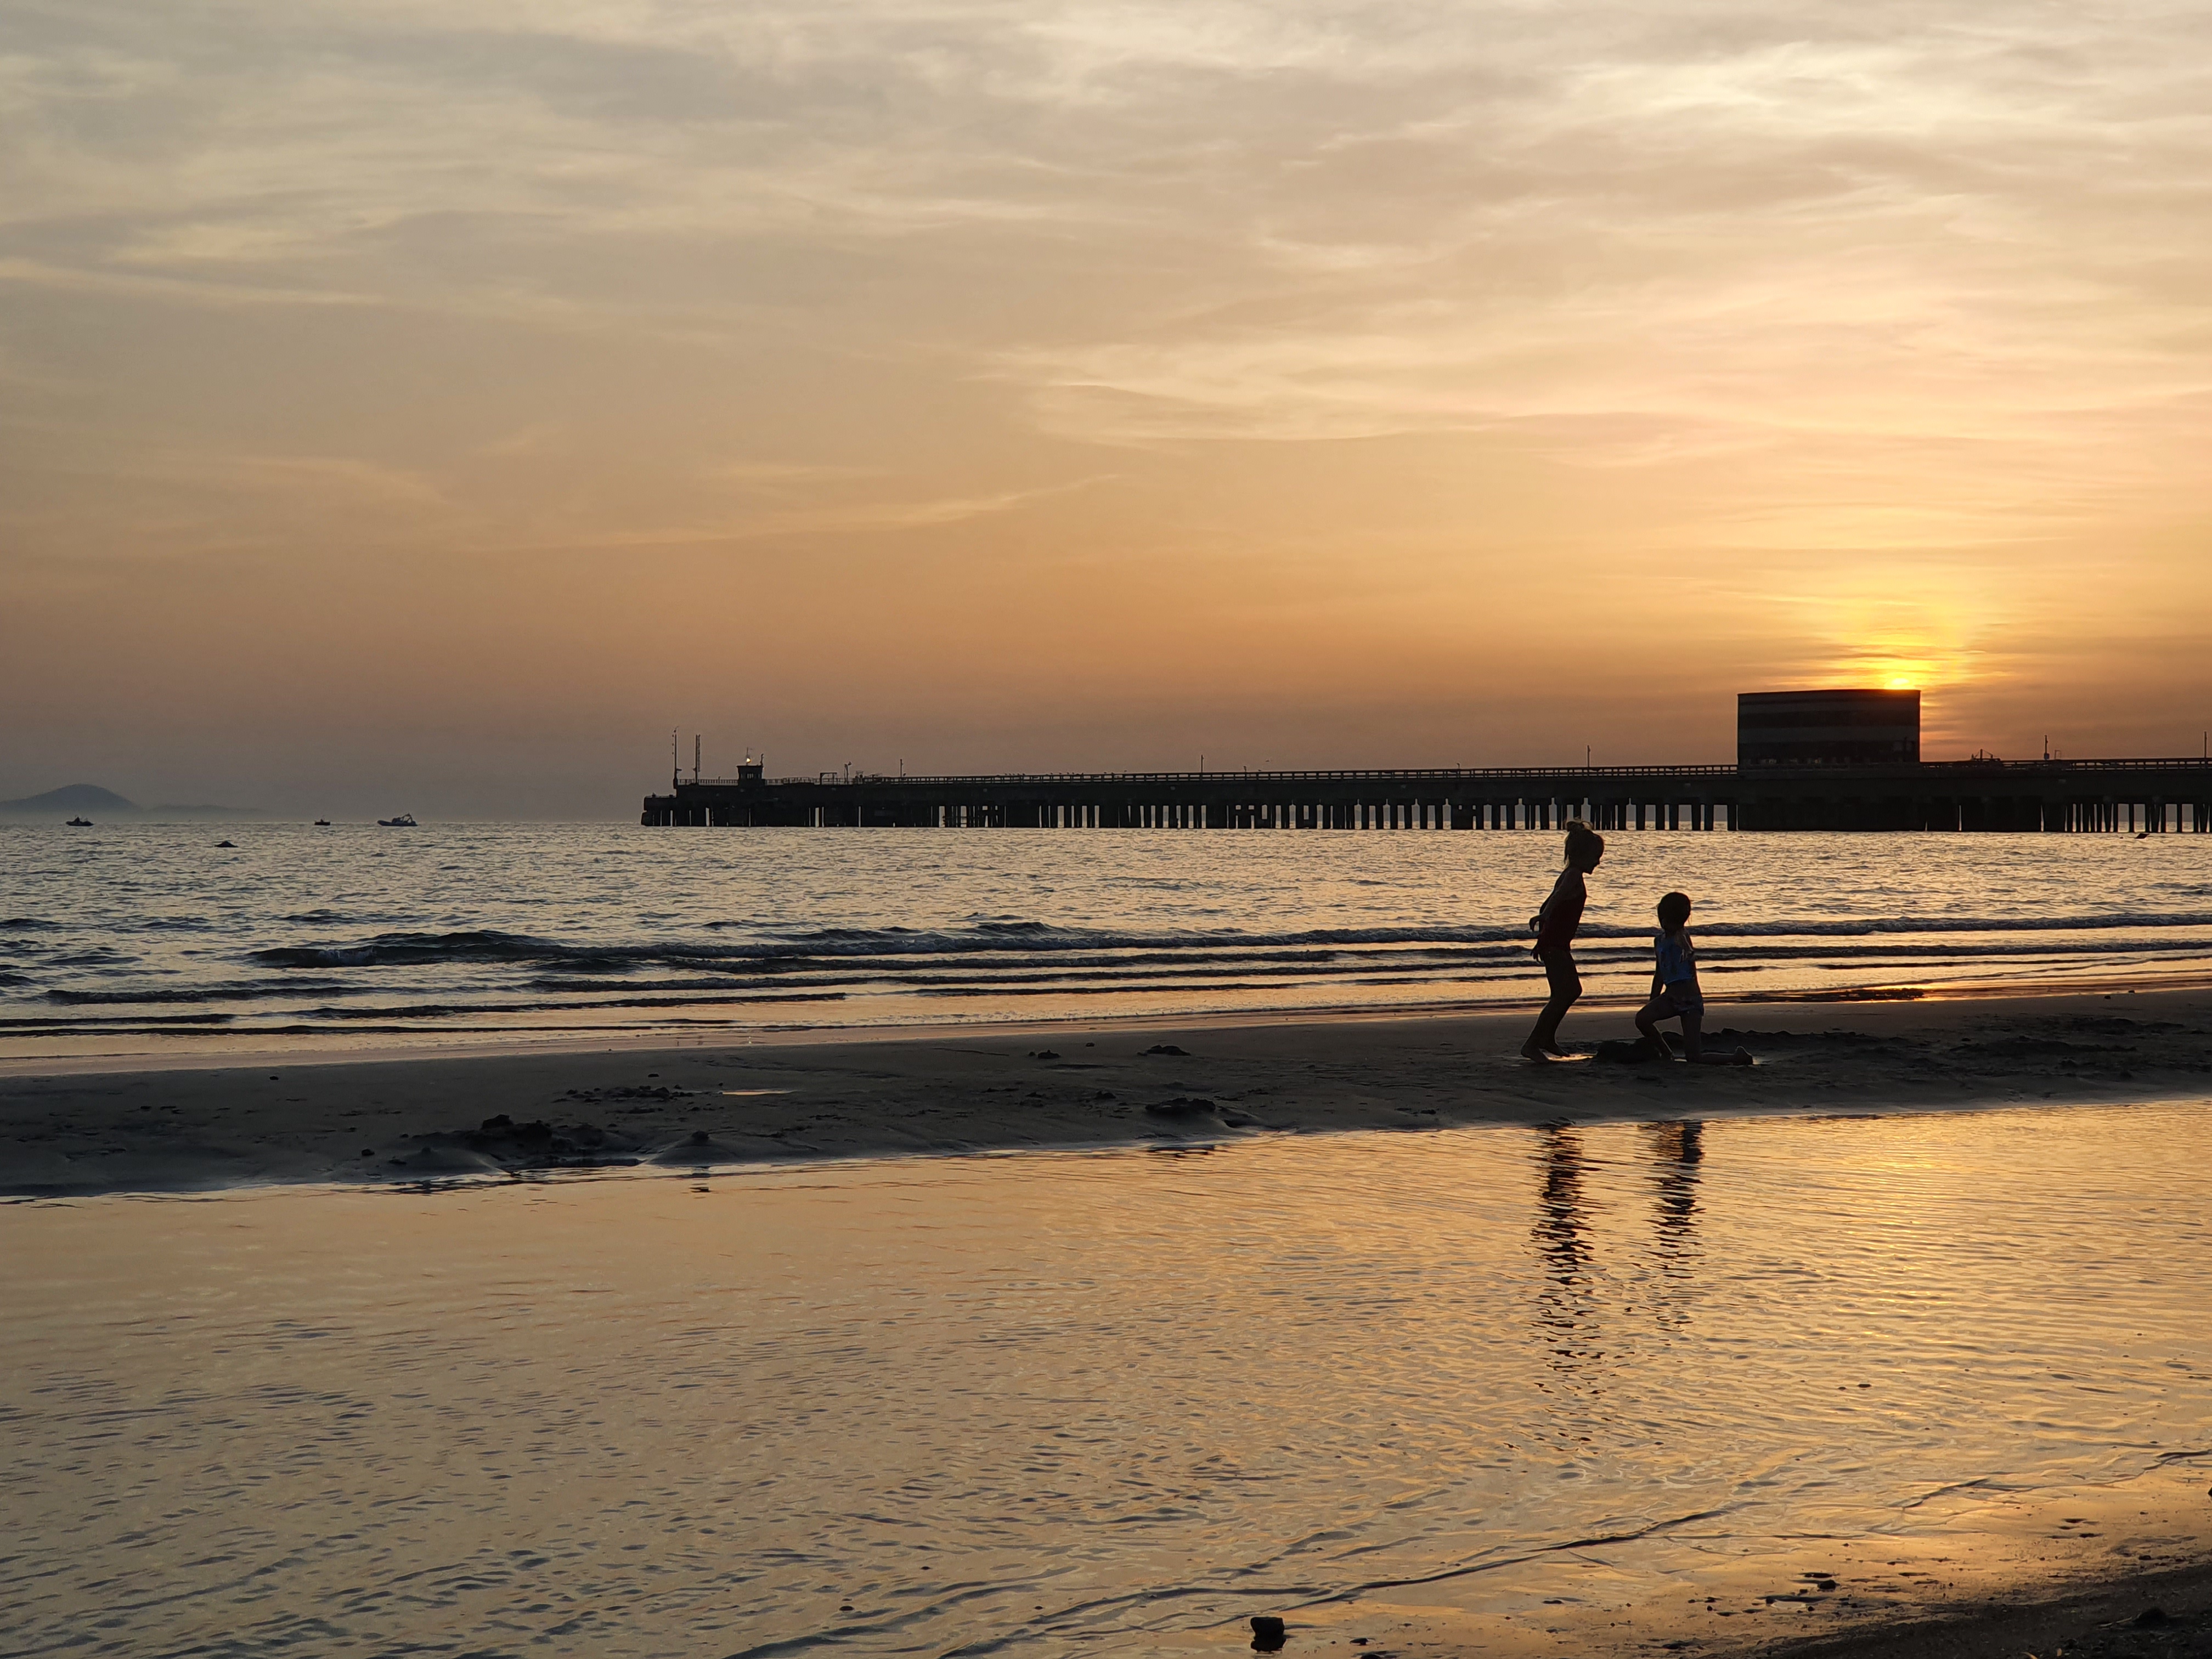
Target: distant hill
<point x="94" y="802"/>
<point x="72" y="798"/>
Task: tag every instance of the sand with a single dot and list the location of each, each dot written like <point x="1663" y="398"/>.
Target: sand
<point x="68" y="1129"/>
<point x="2156" y="1615"/>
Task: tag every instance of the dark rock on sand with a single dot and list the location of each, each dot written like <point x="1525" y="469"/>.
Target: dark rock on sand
<point x="637" y="1093"/>
<point x="1267" y="1634"/>
<point x="1181" y="1106"/>
<point x="1166" y="1048"/>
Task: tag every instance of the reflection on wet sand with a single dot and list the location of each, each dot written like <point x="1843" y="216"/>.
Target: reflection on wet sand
<point x="1569" y="1300"/>
<point x="1677" y="1149"/>
<point x="1565" y="1311"/>
<point x="1129" y="1400"/>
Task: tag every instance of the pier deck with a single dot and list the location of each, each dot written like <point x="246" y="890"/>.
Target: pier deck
<point x="2107" y="795"/>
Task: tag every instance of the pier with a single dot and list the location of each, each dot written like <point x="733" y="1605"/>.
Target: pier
<point x="2158" y="796"/>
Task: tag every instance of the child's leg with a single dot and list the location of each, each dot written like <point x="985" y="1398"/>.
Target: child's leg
<point x="1693" y="1024"/>
<point x="1566" y="987"/>
<point x="1648" y="1017"/>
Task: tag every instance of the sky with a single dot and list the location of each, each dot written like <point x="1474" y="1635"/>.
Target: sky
<point x="431" y="407"/>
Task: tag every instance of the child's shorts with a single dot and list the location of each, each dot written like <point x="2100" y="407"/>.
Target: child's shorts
<point x="1684" y="997"/>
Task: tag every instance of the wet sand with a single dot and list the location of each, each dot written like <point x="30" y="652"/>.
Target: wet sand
<point x="2152" y="1615"/>
<point x="289" y="1119"/>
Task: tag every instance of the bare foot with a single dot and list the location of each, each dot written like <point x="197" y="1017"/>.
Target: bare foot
<point x="1532" y="1050"/>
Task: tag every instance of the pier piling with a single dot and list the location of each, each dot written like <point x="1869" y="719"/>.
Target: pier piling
<point x="2156" y="797"/>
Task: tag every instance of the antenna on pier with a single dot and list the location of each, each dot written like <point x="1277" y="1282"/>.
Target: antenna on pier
<point x="675" y="765"/>
<point x="695" y="757"/>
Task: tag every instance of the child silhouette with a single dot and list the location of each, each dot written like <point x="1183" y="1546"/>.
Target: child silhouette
<point x="1674" y="990"/>
<point x="1554" y="927"/>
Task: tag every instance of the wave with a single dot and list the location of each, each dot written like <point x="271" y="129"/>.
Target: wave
<point x="30" y="925"/>
<point x="251" y="992"/>
<point x="1026" y="940"/>
<point x="446" y="1009"/>
<point x="1850" y="926"/>
<point x="98" y="957"/>
<point x="1216" y="974"/>
<point x="846" y="952"/>
<point x="34" y="1026"/>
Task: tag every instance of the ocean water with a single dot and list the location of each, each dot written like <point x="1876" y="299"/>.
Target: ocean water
<point x="153" y="937"/>
<point x="1531" y="1381"/>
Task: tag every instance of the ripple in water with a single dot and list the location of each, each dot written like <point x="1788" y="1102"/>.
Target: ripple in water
<point x="1050" y="1403"/>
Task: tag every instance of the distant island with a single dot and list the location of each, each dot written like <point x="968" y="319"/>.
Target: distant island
<point x="92" y="801"/>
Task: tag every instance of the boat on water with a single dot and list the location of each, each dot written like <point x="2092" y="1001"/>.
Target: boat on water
<point x="405" y="821"/>
<point x="80" y="823"/>
<point x="322" y="823"/>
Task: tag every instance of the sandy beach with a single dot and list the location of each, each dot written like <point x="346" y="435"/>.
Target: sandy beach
<point x="75" y="1128"/>
<point x="80" y="1130"/>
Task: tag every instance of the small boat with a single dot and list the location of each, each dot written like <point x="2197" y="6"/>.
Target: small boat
<point x="226" y="843"/>
<point x="405" y="821"/>
<point x="322" y="823"/>
<point x="80" y="823"/>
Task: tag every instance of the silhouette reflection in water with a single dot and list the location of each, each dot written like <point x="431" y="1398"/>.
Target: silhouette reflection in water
<point x="1573" y="1300"/>
<point x="1566" y="1311"/>
<point x="1677" y="1149"/>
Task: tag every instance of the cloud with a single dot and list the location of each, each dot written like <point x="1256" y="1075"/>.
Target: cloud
<point x="1416" y="298"/>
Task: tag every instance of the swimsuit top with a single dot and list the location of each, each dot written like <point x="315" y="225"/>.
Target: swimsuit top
<point x="1563" y="912"/>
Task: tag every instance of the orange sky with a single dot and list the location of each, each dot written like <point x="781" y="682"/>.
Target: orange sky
<point x="430" y="406"/>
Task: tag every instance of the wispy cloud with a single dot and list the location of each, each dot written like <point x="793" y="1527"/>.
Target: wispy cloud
<point x="1397" y="292"/>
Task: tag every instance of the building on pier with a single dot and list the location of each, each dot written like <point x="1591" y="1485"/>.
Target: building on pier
<point x="1827" y="728"/>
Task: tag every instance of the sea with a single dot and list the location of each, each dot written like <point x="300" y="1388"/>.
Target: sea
<point x="182" y="938"/>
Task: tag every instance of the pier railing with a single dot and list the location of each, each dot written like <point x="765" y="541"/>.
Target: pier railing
<point x="1441" y="774"/>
